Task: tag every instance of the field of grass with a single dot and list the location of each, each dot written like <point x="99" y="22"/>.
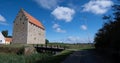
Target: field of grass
<point x="11" y="57"/>
<point x="56" y="58"/>
<point x="15" y="54"/>
<point x="70" y="48"/>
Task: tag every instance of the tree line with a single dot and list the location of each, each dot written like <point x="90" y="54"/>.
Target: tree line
<point x="5" y="34"/>
<point x="107" y="39"/>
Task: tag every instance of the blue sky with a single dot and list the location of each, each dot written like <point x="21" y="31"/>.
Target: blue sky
<point x="71" y="21"/>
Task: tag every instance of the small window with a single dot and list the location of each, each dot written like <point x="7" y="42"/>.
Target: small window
<point x="23" y="22"/>
<point x="20" y="19"/>
<point x="39" y="33"/>
<point x="35" y="38"/>
<point x="25" y="18"/>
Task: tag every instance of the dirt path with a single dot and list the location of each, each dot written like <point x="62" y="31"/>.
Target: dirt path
<point x="85" y="56"/>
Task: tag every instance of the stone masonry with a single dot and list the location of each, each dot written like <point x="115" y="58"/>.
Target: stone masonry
<point x="27" y="29"/>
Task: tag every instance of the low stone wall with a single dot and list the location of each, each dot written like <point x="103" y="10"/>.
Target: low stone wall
<point x="29" y="50"/>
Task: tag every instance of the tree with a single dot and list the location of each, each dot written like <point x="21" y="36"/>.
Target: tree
<point x="46" y="41"/>
<point x="5" y="33"/>
<point x="107" y="39"/>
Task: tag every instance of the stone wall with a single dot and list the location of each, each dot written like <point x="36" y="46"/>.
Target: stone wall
<point x="20" y="29"/>
<point x="36" y="35"/>
<point x="25" y="32"/>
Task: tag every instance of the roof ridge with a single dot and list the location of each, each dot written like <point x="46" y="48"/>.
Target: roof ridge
<point x="31" y="19"/>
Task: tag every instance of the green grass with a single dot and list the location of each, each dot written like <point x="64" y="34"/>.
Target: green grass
<point x="56" y="58"/>
<point x="9" y="57"/>
<point x="34" y="58"/>
<point x="13" y="58"/>
<point x="70" y="48"/>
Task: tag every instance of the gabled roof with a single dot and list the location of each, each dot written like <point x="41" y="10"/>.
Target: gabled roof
<point x="32" y="20"/>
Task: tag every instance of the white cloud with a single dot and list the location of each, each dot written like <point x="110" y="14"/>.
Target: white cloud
<point x="97" y="6"/>
<point x="74" y="39"/>
<point x="48" y="4"/>
<point x="83" y="27"/>
<point x="57" y="28"/>
<point x="77" y="39"/>
<point x="71" y="38"/>
<point x="63" y="13"/>
<point x="2" y="19"/>
<point x="60" y="30"/>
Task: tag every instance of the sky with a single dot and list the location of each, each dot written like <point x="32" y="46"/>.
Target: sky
<point x="67" y="21"/>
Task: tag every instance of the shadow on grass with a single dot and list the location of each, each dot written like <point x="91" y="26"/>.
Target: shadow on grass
<point x="56" y="58"/>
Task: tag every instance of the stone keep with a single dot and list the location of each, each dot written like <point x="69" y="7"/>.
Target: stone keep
<point x="27" y="29"/>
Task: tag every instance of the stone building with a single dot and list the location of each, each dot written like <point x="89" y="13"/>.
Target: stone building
<point x="4" y="40"/>
<point x="8" y="40"/>
<point x="27" y="29"/>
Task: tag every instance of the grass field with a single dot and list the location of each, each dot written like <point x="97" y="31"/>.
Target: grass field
<point x="56" y="58"/>
<point x="70" y="46"/>
<point x="11" y="57"/>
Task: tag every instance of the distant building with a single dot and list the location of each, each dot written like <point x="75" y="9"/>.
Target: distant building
<point x="2" y="39"/>
<point x="8" y="40"/>
<point x="27" y="29"/>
